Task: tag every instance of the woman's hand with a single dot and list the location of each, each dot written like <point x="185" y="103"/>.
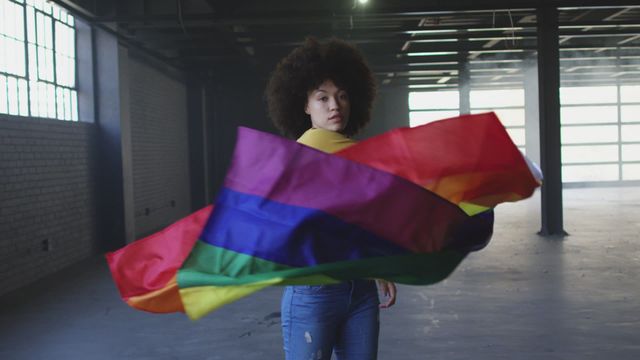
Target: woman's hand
<point x="388" y="289"/>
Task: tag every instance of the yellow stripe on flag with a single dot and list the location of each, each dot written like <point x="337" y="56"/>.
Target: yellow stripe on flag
<point x="201" y="300"/>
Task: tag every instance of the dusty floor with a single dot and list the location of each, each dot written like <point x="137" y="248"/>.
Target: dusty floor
<point x="523" y="297"/>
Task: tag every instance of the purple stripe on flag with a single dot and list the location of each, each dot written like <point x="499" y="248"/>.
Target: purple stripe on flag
<point x="386" y="205"/>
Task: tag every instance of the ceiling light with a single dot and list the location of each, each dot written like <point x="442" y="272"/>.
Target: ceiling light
<point x="432" y="53"/>
<point x="363" y="1"/>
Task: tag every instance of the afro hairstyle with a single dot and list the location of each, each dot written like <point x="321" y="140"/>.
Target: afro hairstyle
<point x="306" y="68"/>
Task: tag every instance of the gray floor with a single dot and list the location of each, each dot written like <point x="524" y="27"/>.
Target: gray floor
<point x="523" y="297"/>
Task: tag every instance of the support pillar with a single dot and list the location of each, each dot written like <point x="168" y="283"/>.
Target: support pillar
<point x="549" y="102"/>
<point x="115" y="173"/>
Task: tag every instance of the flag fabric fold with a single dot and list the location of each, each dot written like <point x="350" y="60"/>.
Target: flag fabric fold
<point x="406" y="206"/>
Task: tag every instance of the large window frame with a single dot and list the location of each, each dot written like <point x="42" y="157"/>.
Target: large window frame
<point x="428" y="106"/>
<point x="508" y="104"/>
<point x="38" y="68"/>
<point x="618" y="159"/>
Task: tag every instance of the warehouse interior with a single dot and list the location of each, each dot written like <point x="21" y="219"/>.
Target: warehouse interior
<point x="118" y="118"/>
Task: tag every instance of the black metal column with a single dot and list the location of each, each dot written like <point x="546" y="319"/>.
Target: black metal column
<point x="549" y="101"/>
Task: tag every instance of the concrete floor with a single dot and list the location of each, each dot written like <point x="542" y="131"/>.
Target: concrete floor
<point x="523" y="297"/>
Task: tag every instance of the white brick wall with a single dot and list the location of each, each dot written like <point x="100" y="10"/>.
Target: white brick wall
<point x="47" y="188"/>
<point x="160" y="147"/>
<point x="48" y="180"/>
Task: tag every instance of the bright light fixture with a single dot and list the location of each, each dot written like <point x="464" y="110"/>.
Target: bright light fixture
<point x="363" y="1"/>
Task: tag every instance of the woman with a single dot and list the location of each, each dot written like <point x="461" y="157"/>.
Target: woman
<point x="321" y="94"/>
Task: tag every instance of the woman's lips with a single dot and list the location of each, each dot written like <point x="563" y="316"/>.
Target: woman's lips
<point x="336" y="118"/>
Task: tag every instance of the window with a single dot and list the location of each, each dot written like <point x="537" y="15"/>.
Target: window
<point x="600" y="133"/>
<point x="428" y="106"/>
<point x="508" y="104"/>
<point x="37" y="60"/>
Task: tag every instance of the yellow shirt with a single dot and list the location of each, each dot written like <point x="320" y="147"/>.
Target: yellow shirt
<point x="325" y="140"/>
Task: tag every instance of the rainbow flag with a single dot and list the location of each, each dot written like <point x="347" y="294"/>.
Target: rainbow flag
<point x="406" y="206"/>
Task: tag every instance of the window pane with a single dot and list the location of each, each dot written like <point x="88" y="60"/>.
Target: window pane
<point x="631" y="172"/>
<point x="19" y="22"/>
<point x="496" y="98"/>
<point x="38" y="4"/>
<point x="630" y="132"/>
<point x="12" y="19"/>
<point x="67" y="104"/>
<point x="573" y="173"/>
<point x="65" y="74"/>
<point x="630" y="93"/>
<point x="48" y="33"/>
<point x="508" y="117"/>
<point x="3" y="54"/>
<point x="517" y="136"/>
<point x="74" y="105"/>
<point x="630" y="113"/>
<point x="42" y="99"/>
<point x="23" y="97"/>
<point x="434" y="100"/>
<point x="33" y="69"/>
<point x="3" y="95"/>
<point x="631" y="152"/>
<point x="40" y="29"/>
<point x="59" y="103"/>
<point x="511" y="117"/>
<point x="417" y="118"/>
<point x="586" y="154"/>
<point x="61" y="39"/>
<point x="42" y="64"/>
<point x="5" y="16"/>
<point x="588" y="114"/>
<point x="50" y="63"/>
<point x="51" y="103"/>
<point x="48" y="8"/>
<point x="64" y="40"/>
<point x="35" y="99"/>
<point x="12" y="95"/>
<point x="3" y="11"/>
<point x="589" y="134"/>
<point x="61" y="70"/>
<point x="15" y="57"/>
<point x="588" y="95"/>
<point x="31" y="25"/>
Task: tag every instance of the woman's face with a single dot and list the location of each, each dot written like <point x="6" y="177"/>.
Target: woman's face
<point x="328" y="106"/>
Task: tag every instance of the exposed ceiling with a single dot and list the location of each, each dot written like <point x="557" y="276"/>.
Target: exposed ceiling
<point x="422" y="44"/>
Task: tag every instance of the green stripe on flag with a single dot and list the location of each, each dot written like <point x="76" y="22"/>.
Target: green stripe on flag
<point x="212" y="265"/>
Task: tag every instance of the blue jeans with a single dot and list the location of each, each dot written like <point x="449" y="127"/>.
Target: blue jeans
<point x="319" y="319"/>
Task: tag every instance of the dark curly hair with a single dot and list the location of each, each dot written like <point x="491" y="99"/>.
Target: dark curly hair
<point x="306" y="68"/>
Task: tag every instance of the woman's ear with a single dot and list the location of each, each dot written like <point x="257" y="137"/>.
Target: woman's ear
<point x="306" y="108"/>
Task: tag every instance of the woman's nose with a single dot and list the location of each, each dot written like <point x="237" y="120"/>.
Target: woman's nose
<point x="333" y="103"/>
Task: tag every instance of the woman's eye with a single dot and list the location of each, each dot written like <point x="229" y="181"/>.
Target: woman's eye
<point x="324" y="98"/>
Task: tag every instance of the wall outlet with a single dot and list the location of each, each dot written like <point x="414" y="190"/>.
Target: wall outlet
<point x="46" y="245"/>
